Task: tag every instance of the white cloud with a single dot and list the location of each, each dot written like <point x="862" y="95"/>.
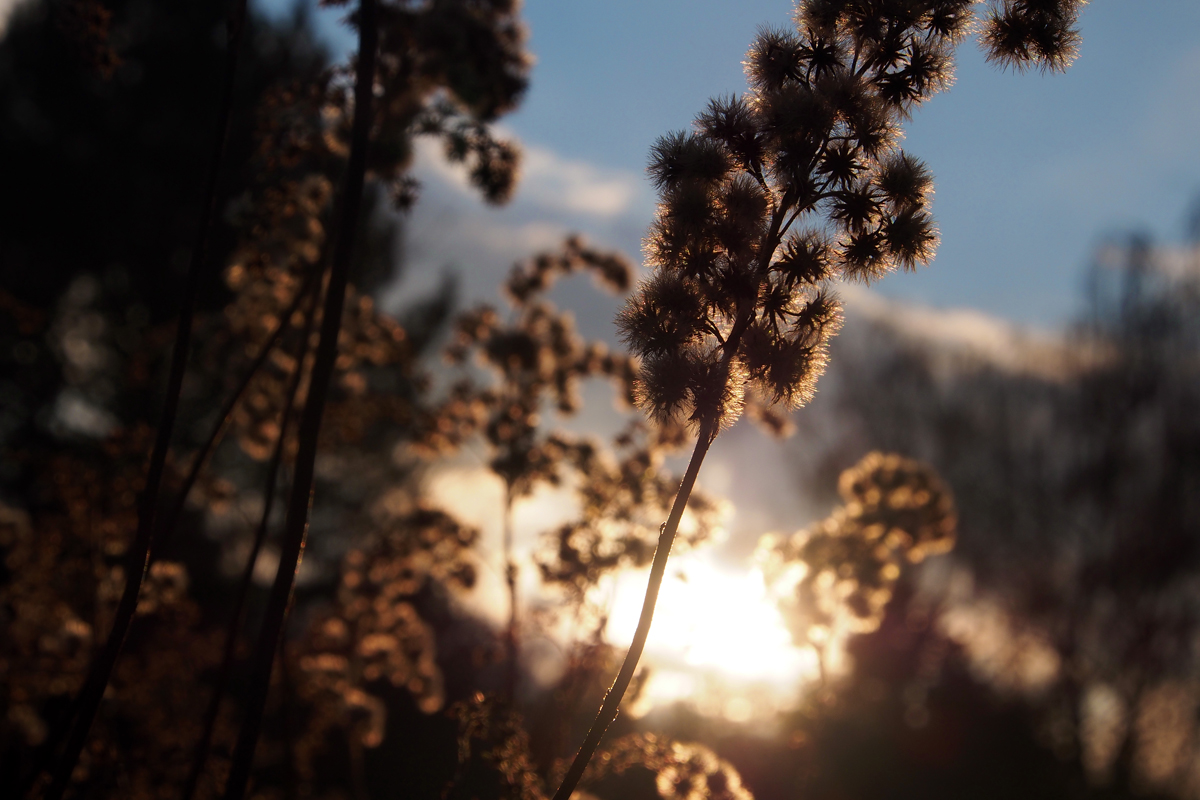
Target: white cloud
<point x="953" y="333"/>
<point x="580" y="187"/>
<point x="548" y="181"/>
<point x="451" y="226"/>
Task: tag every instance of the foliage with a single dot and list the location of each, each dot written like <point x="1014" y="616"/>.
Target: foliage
<point x="838" y="577"/>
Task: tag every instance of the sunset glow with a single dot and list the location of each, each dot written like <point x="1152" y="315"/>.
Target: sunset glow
<point x="717" y="638"/>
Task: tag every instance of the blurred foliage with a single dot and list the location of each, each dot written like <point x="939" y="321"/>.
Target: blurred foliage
<point x="838" y="577"/>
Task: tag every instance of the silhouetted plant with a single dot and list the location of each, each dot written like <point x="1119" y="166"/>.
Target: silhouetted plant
<point x="737" y="299"/>
<point x="535" y="360"/>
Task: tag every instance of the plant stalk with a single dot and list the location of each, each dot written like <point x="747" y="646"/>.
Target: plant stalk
<point x="512" y="667"/>
<point x="260" y="535"/>
<point x="296" y="524"/>
<point x="87" y="703"/>
<point x="167" y="529"/>
<point x="658" y="568"/>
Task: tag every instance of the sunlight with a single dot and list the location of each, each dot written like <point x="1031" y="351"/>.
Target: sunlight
<point x="717" y="637"/>
<point x="719" y="642"/>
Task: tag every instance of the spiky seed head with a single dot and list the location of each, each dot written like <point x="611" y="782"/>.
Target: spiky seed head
<point x="775" y="58"/>
<point x="805" y="258"/>
<point x="911" y="237"/>
<point x="841" y="163"/>
<point x="665" y="315"/>
<point x="856" y="208"/>
<point x="1033" y="33"/>
<point x="731" y="121"/>
<point x="950" y="19"/>
<point x="904" y="180"/>
<point x="664" y="383"/>
<point x="864" y="256"/>
<point x="683" y="157"/>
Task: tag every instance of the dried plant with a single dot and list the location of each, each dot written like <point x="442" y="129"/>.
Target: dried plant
<point x="777" y="193"/>
<point x="534" y="361"/>
<point x="836" y="578"/>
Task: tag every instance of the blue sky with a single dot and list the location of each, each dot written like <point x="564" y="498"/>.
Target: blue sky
<point x="1032" y="170"/>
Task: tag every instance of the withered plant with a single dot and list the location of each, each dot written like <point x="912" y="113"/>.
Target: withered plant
<point x="775" y="195"/>
<point x="533" y="363"/>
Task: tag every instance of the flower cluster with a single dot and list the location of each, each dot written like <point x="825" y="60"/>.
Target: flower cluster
<point x="493" y="753"/>
<point x="682" y="771"/>
<point x="797" y="183"/>
<point x="838" y="577"/>
<point x="536" y="358"/>
<point x="64" y="573"/>
<point x="375" y="631"/>
<point x="624" y="496"/>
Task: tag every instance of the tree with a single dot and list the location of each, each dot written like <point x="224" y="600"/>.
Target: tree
<point x="1069" y="472"/>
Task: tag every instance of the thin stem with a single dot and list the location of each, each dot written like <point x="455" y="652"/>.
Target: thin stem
<point x="510" y="577"/>
<point x="296" y="524"/>
<point x="166" y="530"/>
<point x="658" y="568"/>
<point x="87" y="703"/>
<point x="239" y="605"/>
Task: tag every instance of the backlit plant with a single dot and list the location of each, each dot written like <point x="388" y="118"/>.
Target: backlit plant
<point x="774" y="195"/>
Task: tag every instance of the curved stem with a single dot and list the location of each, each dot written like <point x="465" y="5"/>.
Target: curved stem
<point x="87" y="703"/>
<point x="260" y="535"/>
<point x="658" y="568"/>
<point x="296" y="525"/>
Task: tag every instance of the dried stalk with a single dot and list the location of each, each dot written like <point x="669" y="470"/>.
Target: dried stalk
<point x="296" y="524"/>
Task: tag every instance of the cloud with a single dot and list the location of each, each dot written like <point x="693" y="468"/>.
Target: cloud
<point x="952" y="334"/>
<point x="451" y="227"/>
<point x="551" y="181"/>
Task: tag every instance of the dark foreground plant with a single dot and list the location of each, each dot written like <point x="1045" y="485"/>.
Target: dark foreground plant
<point x="776" y="194"/>
<point x="87" y="703"/>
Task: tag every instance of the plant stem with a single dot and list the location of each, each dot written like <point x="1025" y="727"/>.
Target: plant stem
<point x="510" y="577"/>
<point x="658" y="568"/>
<point x="296" y="524"/>
<point x="87" y="703"/>
<point x="260" y="535"/>
<point x="167" y="529"/>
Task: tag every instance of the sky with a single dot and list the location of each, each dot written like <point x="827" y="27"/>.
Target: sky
<point x="1032" y="171"/>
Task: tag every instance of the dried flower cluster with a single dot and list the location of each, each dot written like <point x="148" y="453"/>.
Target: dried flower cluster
<point x="800" y="182"/>
<point x="682" y="771"/>
<point x="374" y="632"/>
<point x="519" y="367"/>
<point x="64" y="575"/>
<point x="837" y="577"/>
<point x="623" y="496"/>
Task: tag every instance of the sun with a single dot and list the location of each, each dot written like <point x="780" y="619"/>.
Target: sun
<point x="717" y="639"/>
